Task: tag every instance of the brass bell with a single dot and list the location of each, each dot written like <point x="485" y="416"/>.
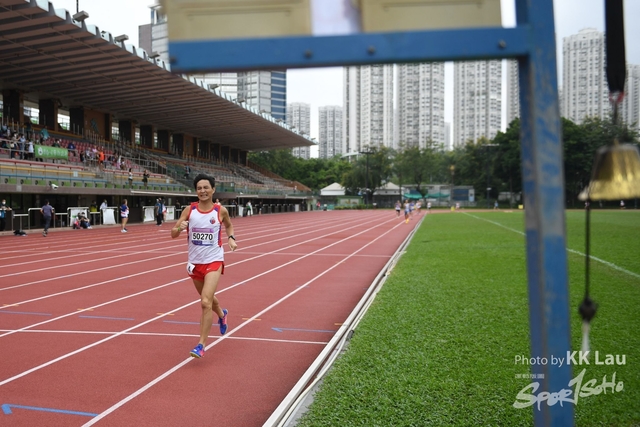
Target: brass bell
<point x="615" y="175"/>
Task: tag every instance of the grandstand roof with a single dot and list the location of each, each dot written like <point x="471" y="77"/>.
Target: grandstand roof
<point x="47" y="54"/>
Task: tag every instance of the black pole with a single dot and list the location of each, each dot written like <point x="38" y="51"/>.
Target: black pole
<point x="366" y="178"/>
<point x="366" y="184"/>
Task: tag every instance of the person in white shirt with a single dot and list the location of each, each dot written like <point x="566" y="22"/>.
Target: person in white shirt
<point x="203" y="221"/>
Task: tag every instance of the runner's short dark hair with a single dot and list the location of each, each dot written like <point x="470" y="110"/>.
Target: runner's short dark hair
<point x="202" y="176"/>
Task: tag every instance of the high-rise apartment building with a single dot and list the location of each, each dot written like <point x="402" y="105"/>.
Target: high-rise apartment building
<point x="420" y="104"/>
<point x="477" y="100"/>
<point x="513" y="91"/>
<point x="448" y="144"/>
<point x="630" y="111"/>
<point x="368" y="107"/>
<point x="584" y="85"/>
<point x="266" y="91"/>
<point x="330" y="131"/>
<point x="299" y="118"/>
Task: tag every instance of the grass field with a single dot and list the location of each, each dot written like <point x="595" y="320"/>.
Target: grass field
<point x="438" y="345"/>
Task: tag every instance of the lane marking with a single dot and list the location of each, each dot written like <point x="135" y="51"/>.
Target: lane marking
<point x="182" y="323"/>
<point x="106" y="317"/>
<point x="6" y="408"/>
<point x="242" y="325"/>
<point x="302" y="330"/>
<point x="26" y="312"/>
<point x="607" y="263"/>
<point x="162" y="334"/>
<point x="248" y="318"/>
<point x="64" y="356"/>
<point x="357" y="223"/>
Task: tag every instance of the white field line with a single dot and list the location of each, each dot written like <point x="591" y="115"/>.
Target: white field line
<point x="64" y="356"/>
<point x="96" y="249"/>
<point x="180" y="243"/>
<point x="226" y="336"/>
<point x="161" y="334"/>
<point x="607" y="263"/>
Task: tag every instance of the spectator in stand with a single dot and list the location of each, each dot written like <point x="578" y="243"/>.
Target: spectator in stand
<point x="178" y="208"/>
<point x="93" y="207"/>
<point x="21" y="145"/>
<point x="104" y="205"/>
<point x="145" y="178"/>
<point x="187" y="171"/>
<point x="13" y="150"/>
<point x="72" y="148"/>
<point x="101" y="158"/>
<point x="130" y="178"/>
<point x="5" y="213"/>
<point x="47" y="212"/>
<point x="30" y="150"/>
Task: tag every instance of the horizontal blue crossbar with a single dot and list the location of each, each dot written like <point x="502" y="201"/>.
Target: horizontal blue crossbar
<point x="358" y="49"/>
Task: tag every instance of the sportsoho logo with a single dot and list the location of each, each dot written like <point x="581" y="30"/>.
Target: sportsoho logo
<point x="576" y="388"/>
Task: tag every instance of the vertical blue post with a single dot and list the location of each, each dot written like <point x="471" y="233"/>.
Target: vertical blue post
<point x="543" y="181"/>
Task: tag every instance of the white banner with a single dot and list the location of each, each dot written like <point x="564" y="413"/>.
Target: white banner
<point x="109" y="216"/>
<point x="149" y="213"/>
<point x="171" y="213"/>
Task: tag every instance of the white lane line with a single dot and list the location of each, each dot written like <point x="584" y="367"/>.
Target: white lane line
<point x="162" y="334"/>
<point x="219" y="340"/>
<point x="170" y="266"/>
<point x="95" y="306"/>
<point x="88" y="271"/>
<point x="289" y="236"/>
<point x="75" y="264"/>
<point x="64" y="356"/>
<point x="607" y="263"/>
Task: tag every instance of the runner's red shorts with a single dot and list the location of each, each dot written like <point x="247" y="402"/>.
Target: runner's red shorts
<point x="198" y="271"/>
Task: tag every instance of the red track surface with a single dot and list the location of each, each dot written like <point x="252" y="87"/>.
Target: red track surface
<point x="101" y="323"/>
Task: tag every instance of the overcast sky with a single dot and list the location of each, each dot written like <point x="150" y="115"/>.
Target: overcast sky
<point x="323" y="86"/>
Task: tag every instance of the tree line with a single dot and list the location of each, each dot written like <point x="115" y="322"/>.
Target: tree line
<point x="483" y="164"/>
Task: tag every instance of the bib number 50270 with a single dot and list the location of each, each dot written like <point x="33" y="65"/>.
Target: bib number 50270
<point x="202" y="236"/>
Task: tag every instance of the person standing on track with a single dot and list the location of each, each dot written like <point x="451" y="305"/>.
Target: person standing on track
<point x="47" y="212"/>
<point x="203" y="221"/>
<point x="124" y="215"/>
<point x="5" y="213"/>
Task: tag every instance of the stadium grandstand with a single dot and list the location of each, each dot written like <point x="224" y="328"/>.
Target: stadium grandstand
<point x="108" y="111"/>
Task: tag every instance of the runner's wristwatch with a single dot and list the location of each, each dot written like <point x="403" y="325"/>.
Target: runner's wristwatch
<point x="232" y="237"/>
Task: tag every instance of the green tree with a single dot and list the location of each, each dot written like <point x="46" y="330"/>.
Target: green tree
<point x="379" y="169"/>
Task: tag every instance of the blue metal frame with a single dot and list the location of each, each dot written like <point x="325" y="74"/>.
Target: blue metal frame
<point x="374" y="48"/>
<point x="532" y="42"/>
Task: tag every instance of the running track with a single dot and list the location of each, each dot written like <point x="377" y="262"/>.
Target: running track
<point x="96" y="325"/>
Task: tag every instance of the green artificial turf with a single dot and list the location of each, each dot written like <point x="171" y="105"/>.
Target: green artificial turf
<point x="439" y="344"/>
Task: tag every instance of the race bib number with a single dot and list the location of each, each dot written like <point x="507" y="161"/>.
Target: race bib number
<point x="203" y="237"/>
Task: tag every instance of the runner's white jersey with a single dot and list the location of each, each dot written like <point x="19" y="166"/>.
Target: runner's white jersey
<point x="205" y="235"/>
